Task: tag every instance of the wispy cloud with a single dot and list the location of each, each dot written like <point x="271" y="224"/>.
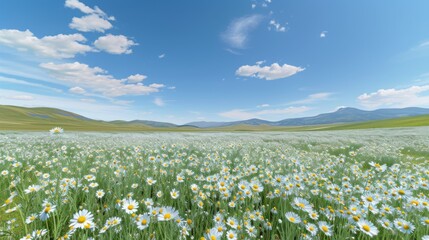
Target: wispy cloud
<point x="161" y="56"/>
<point x="273" y="72"/>
<point x="406" y="97"/>
<point x="159" y="102"/>
<point x="26" y="83"/>
<point x="240" y="114"/>
<point x="237" y="33"/>
<point x="313" y="98"/>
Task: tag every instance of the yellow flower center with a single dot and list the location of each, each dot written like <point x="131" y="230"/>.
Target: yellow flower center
<point x="130" y="207"/>
<point x="325" y="228"/>
<point x="167" y="216"/>
<point x="369" y="199"/>
<point x="144" y="222"/>
<point x="81" y="219"/>
<point x="47" y="209"/>
<point x="213" y="237"/>
<point x="292" y="219"/>
<point x="366" y="228"/>
<point x="406" y="227"/>
<point x="401" y="192"/>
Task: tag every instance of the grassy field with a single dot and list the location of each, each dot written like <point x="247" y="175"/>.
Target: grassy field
<point x="222" y="185"/>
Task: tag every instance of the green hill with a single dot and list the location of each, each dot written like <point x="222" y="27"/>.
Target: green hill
<point x="415" y="121"/>
<point x="43" y="119"/>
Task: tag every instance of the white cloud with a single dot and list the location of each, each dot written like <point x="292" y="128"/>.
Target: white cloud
<point x="114" y="44"/>
<point x="136" y="78"/>
<point x="26" y="83"/>
<point x="424" y="44"/>
<point x="159" y="102"/>
<point x="240" y="114"/>
<point x="312" y="98"/>
<point x="277" y="26"/>
<point x="273" y="72"/>
<point x="323" y="34"/>
<point x="406" y="97"/>
<point x="237" y="33"/>
<point x="58" y="46"/>
<point x="77" y="90"/>
<point x="96" y="80"/>
<point x="162" y="55"/>
<point x="263" y="105"/>
<point x="20" y="97"/>
<point x="76" y="4"/>
<point x="90" y="23"/>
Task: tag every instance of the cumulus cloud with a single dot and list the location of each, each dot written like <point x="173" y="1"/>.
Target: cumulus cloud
<point x="96" y="80"/>
<point x="406" y="97"/>
<point x="136" y="78"/>
<point x="77" y="90"/>
<point x="323" y="34"/>
<point x="238" y="31"/>
<point x="159" y="102"/>
<point x="90" y="23"/>
<point x="240" y="114"/>
<point x="95" y="20"/>
<point x="276" y="26"/>
<point x="114" y="44"/>
<point x="58" y="46"/>
<point x="273" y="72"/>
<point x="76" y="4"/>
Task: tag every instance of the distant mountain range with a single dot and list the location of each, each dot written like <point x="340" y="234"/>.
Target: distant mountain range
<point x="16" y="118"/>
<point x="342" y="115"/>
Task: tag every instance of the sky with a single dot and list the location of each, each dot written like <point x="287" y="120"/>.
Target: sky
<point x="225" y="60"/>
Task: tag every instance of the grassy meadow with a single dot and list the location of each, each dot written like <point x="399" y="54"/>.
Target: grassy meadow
<point x="366" y="184"/>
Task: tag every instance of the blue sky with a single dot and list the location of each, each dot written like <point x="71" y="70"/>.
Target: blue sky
<point x="182" y="61"/>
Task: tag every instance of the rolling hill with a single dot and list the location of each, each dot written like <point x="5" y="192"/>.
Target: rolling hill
<point x="342" y="115"/>
<point x="21" y="118"/>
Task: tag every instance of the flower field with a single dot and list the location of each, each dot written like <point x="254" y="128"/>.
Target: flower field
<point x="367" y="184"/>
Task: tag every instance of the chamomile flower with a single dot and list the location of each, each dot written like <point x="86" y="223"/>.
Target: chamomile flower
<point x="143" y="221"/>
<point x="325" y="228"/>
<point x="367" y="227"/>
<point x="168" y="214"/>
<point x="48" y="209"/>
<point x="174" y="194"/>
<point x="213" y="234"/>
<point x="311" y="228"/>
<point x="403" y="226"/>
<point x="100" y="193"/>
<point x="31" y="218"/>
<point x="293" y="217"/>
<point x="82" y="219"/>
<point x="231" y="235"/>
<point x="130" y="206"/>
<point x="56" y="131"/>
